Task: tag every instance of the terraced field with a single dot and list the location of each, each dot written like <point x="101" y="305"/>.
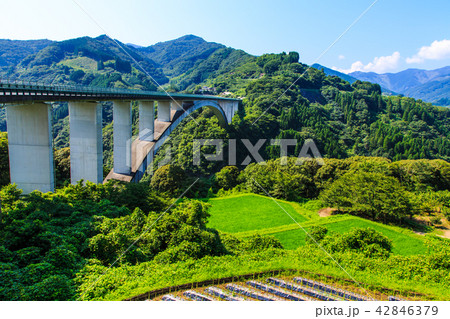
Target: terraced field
<point x="251" y="212"/>
<point x="248" y="214"/>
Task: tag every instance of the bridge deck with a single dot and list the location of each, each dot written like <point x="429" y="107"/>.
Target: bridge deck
<point x="18" y="92"/>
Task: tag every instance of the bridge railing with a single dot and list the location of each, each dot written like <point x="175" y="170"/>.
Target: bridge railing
<point x="32" y="85"/>
<point x="17" y="86"/>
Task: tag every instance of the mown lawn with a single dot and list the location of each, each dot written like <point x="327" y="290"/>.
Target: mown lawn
<point x="250" y="212"/>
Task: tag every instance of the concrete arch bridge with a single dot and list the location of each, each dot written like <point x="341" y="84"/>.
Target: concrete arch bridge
<point x="29" y="125"/>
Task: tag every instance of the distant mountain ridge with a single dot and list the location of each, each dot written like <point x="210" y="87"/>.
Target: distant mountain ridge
<point x="329" y="71"/>
<point x="428" y="85"/>
<point x="347" y="77"/>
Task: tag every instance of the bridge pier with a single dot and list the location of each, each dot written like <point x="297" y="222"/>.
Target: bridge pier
<point x="122" y="133"/>
<point x="30" y="144"/>
<point x="86" y="144"/>
<point x="176" y="105"/>
<point x="164" y="111"/>
<point x="230" y="108"/>
<point x="146" y="121"/>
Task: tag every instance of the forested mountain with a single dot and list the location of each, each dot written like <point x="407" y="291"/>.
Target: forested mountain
<point x="87" y="61"/>
<point x="177" y="56"/>
<point x="13" y="51"/>
<point x="190" y="60"/>
<point x="102" y="61"/>
<point x="343" y="119"/>
<point x="184" y="63"/>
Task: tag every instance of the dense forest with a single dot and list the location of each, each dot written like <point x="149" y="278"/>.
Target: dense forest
<point x="343" y="120"/>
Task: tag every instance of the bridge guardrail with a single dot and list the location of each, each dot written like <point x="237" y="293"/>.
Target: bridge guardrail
<point x="58" y="90"/>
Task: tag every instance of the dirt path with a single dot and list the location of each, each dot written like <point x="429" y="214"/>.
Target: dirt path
<point x="325" y="212"/>
<point x="446" y="233"/>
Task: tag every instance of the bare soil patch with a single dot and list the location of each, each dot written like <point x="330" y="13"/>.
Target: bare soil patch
<point x="325" y="212"/>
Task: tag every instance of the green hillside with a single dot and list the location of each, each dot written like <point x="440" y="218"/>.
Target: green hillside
<point x="385" y="172"/>
<point x="109" y="65"/>
<point x="177" y="56"/>
<point x="14" y="51"/>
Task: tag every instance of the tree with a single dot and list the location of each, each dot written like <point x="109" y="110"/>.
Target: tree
<point x="62" y="165"/>
<point x="316" y="234"/>
<point x="375" y="195"/>
<point x="258" y="242"/>
<point x="272" y="66"/>
<point x="168" y="178"/>
<point x="122" y="66"/>
<point x="4" y="159"/>
<point x="77" y="75"/>
<point x="227" y="178"/>
<point x="293" y="57"/>
<point x="100" y="65"/>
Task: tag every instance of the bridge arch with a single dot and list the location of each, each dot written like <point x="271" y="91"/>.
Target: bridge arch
<point x="144" y="155"/>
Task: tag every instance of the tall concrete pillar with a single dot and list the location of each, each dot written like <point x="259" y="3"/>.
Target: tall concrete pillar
<point x="86" y="145"/>
<point x="122" y="137"/>
<point x="176" y="105"/>
<point x="229" y="107"/>
<point x="146" y="120"/>
<point x="164" y="111"/>
<point x="30" y="147"/>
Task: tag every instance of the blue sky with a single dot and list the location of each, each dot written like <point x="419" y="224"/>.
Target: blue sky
<point x="392" y="36"/>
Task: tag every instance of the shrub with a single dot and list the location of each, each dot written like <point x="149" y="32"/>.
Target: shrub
<point x="186" y="250"/>
<point x="317" y="233"/>
<point x="258" y="242"/>
<point x="227" y="178"/>
<point x="436" y="220"/>
<point x="366" y="241"/>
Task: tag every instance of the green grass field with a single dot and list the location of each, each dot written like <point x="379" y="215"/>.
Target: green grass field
<point x="248" y="214"/>
<point x="81" y="63"/>
<point x="403" y="244"/>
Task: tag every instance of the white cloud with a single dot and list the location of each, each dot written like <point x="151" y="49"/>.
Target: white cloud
<point x="341" y="57"/>
<point x="380" y="64"/>
<point x="438" y="50"/>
